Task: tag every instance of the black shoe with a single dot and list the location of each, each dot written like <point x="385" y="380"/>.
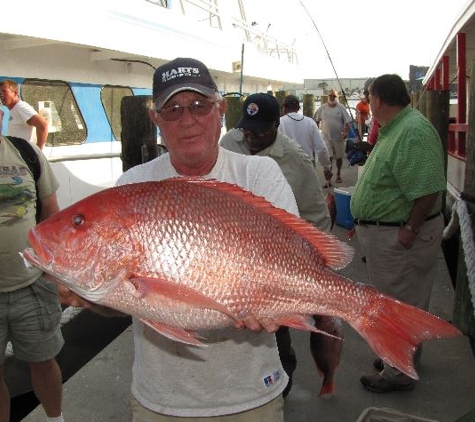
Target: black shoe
<point x="363" y="258"/>
<point x="377" y="384"/>
<point x="378" y="364"/>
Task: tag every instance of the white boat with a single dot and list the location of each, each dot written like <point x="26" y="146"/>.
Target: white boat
<point x="452" y="71"/>
<point x="76" y="61"/>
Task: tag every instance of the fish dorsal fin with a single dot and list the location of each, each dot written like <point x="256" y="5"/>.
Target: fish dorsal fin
<point x="335" y="253"/>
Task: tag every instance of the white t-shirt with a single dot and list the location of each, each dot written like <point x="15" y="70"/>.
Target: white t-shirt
<point x="334" y="120"/>
<point x="304" y="131"/>
<point x="238" y="370"/>
<point x="18" y="126"/>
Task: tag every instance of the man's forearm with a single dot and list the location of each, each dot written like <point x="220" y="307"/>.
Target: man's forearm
<point x="421" y="210"/>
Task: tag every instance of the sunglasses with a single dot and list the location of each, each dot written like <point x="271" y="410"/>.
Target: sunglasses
<point x="332" y="96"/>
<point x="197" y="108"/>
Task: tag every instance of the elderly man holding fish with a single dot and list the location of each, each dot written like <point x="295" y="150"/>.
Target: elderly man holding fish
<point x="238" y="376"/>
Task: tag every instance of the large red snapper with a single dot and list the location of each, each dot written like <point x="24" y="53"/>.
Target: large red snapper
<point x="187" y="254"/>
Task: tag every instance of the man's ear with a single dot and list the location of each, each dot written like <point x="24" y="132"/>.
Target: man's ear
<point x="223" y="106"/>
<point x="153" y="116"/>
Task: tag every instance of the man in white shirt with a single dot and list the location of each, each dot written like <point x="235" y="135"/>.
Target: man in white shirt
<point x="335" y="127"/>
<point x="24" y="121"/>
<point x="304" y="131"/>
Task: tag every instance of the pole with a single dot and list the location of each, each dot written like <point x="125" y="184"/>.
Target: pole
<point x="345" y="103"/>
<point x="463" y="315"/>
<point x="139" y="133"/>
<point x="242" y="69"/>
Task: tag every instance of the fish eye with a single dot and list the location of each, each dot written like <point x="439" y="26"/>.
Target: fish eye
<point x="77" y="220"/>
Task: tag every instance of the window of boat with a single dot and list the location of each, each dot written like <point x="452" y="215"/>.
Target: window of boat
<point x="55" y="101"/>
<point x="111" y="97"/>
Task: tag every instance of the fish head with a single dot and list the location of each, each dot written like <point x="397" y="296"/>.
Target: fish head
<point x="86" y="246"/>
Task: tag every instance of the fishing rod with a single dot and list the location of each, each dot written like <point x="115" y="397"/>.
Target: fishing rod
<point x="347" y="105"/>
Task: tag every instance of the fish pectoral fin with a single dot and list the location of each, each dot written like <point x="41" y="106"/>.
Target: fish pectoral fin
<point x="175" y="333"/>
<point x="302" y="322"/>
<point x="151" y="285"/>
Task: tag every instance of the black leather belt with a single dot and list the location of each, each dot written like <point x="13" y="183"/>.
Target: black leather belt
<point x="358" y="222"/>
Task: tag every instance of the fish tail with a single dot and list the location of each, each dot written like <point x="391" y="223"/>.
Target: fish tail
<point x="394" y="330"/>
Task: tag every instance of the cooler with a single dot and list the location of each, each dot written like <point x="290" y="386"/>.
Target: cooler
<point x="342" y="201"/>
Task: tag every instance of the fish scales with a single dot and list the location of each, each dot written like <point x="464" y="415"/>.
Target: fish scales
<point x="188" y="254"/>
<point x="185" y="250"/>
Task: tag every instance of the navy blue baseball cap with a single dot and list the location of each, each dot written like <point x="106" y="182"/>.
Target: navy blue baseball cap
<point x="181" y="74"/>
<point x="260" y="112"/>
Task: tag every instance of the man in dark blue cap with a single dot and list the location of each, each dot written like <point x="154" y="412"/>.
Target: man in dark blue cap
<point x="257" y="133"/>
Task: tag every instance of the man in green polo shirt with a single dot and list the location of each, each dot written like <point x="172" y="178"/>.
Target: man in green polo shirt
<point x="396" y="205"/>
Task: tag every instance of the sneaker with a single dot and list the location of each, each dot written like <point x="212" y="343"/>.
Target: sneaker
<point x="377" y="384"/>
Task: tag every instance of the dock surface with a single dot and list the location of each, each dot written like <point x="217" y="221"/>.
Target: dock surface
<point x="100" y="391"/>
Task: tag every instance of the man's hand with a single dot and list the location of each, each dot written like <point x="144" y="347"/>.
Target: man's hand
<point x="68" y="297"/>
<point x="406" y="237"/>
<point x="251" y="323"/>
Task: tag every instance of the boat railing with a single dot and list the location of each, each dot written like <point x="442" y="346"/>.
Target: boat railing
<point x="265" y="43"/>
<point x="458" y="133"/>
<point x="211" y="14"/>
<point x="84" y="157"/>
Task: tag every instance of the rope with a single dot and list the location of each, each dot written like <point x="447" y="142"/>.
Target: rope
<point x="461" y="218"/>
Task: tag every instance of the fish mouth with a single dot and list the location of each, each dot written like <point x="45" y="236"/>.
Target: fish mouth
<point x="41" y="257"/>
<point x="31" y="259"/>
<point x="38" y="254"/>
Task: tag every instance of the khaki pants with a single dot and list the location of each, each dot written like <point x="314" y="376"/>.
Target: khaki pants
<point x="406" y="274"/>
<point x="270" y="412"/>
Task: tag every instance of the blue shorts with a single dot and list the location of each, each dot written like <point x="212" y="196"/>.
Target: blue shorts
<point x="30" y="320"/>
